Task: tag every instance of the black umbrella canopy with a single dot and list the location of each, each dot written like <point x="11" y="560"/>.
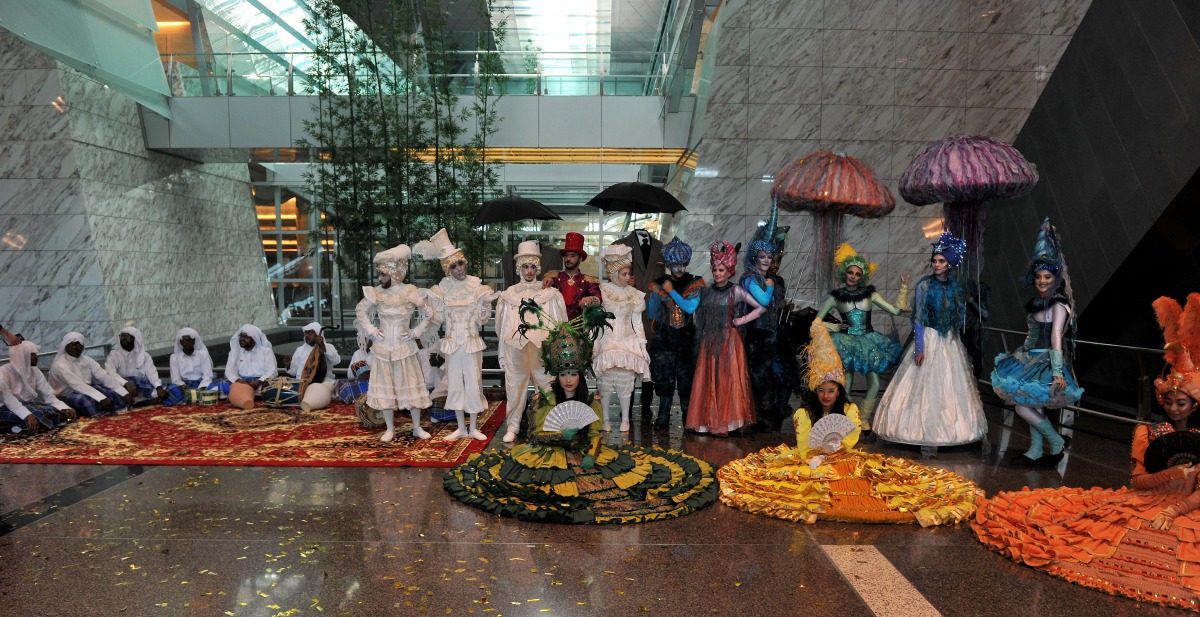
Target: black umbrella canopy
<point x="512" y="208"/>
<point x="637" y="197"/>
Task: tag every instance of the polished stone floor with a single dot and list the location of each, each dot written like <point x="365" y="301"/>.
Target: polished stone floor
<point x="117" y="540"/>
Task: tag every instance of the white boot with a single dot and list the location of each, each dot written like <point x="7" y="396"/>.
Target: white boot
<point x="418" y="432"/>
<point x="474" y="431"/>
<point x="514" y="426"/>
<point x="389" y="418"/>
<point x="462" y="428"/>
<point x="626" y="400"/>
<point x="605" y="397"/>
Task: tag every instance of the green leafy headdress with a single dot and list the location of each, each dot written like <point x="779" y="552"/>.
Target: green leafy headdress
<point x="566" y="345"/>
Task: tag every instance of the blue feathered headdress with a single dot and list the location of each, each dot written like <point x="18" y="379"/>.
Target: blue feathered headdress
<point x="950" y="247"/>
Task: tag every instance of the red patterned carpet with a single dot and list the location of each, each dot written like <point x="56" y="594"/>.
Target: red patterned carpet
<point x="223" y="435"/>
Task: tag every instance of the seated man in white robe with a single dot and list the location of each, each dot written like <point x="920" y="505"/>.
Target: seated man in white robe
<point x="82" y="383"/>
<point x="251" y="361"/>
<point x="319" y="392"/>
<point x="130" y="360"/>
<point x="191" y="367"/>
<point x="29" y="401"/>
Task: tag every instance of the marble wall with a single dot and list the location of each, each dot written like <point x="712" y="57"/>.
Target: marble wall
<point x="876" y="79"/>
<point x="99" y="232"/>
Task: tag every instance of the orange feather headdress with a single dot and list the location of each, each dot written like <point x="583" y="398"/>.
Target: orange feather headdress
<point x="1181" y="331"/>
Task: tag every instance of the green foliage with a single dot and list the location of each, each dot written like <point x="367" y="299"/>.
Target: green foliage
<point x="398" y="154"/>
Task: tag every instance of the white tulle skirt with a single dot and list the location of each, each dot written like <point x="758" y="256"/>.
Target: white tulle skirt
<point x="935" y="404"/>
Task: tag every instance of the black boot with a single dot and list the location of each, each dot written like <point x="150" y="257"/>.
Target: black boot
<point x="647" y="400"/>
<point x="664" y="412"/>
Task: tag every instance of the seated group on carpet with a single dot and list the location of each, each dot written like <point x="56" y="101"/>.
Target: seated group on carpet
<point x="78" y="386"/>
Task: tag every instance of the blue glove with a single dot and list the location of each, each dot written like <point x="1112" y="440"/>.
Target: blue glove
<point x="589" y="461"/>
<point x="569" y="433"/>
<point x="1056" y="362"/>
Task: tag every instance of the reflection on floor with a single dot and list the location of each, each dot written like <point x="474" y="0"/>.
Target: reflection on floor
<point x="114" y="540"/>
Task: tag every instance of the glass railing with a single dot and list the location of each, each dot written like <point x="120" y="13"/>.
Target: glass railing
<point x="525" y="73"/>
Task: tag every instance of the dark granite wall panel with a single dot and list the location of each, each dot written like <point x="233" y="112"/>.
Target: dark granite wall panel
<point x="1116" y="138"/>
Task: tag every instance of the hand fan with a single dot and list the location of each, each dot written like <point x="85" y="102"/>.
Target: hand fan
<point x="1173" y="449"/>
<point x="828" y="432"/>
<point x="571" y="414"/>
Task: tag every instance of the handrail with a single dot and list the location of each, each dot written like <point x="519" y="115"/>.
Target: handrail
<point x="1144" y="381"/>
<point x="1083" y="342"/>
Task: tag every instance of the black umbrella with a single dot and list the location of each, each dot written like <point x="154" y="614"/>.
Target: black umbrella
<point x="636" y="197"/>
<point x="512" y="208"/>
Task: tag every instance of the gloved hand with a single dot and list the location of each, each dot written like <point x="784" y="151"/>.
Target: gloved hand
<point x="589" y="461"/>
<point x="569" y="433"/>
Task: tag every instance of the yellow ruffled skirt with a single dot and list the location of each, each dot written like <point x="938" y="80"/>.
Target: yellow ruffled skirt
<point x="850" y="486"/>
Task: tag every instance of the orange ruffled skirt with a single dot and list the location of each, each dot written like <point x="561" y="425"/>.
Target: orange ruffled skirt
<point x="721" y="397"/>
<point x="1099" y="538"/>
<point x="851" y="486"/>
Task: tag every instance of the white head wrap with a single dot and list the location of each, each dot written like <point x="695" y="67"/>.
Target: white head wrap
<point x="199" y="347"/>
<point x="67" y="339"/>
<point x="261" y="357"/>
<point x="18" y="359"/>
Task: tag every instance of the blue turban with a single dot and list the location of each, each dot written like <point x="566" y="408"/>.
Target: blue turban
<point x="677" y="252"/>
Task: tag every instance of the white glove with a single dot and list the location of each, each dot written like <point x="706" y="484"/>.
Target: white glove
<point x="816" y="461"/>
<point x="376" y="335"/>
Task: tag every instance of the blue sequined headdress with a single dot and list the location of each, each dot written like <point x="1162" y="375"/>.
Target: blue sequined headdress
<point x="950" y="247"/>
<point x="677" y="252"/>
<point x="766" y="238"/>
<point x="1047" y="253"/>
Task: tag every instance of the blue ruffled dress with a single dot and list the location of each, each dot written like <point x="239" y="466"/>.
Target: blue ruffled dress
<point x="863" y="350"/>
<point x="1024" y="377"/>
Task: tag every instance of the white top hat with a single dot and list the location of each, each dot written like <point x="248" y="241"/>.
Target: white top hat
<point x="437" y="247"/>
<point x="528" y="248"/>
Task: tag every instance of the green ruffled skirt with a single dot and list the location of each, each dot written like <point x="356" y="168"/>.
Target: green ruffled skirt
<point x="545" y="483"/>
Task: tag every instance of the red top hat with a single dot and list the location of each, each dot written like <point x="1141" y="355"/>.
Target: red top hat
<point x="574" y="245"/>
